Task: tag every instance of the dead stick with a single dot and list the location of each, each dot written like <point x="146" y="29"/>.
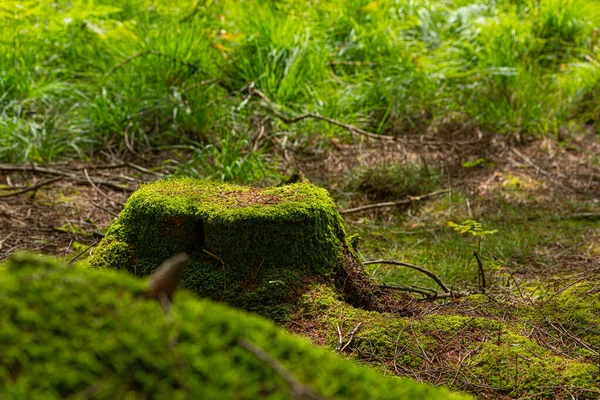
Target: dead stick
<point x="106" y="210"/>
<point x="481" y="273"/>
<point x="34" y="187"/>
<point x="394" y="203"/>
<point x="81" y="253"/>
<point x="352" y="334"/>
<point x="540" y="169"/>
<point x="298" y="389"/>
<point x="154" y="53"/>
<point x="144" y="170"/>
<point x="291" y="120"/>
<point x="560" y="331"/>
<point x="51" y="171"/>
<point x="415" y="267"/>
<point x="582" y="215"/>
<point x="96" y="188"/>
<point x="428" y="295"/>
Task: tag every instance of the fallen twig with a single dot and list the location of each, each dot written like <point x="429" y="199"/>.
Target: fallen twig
<point x="34" y="187"/>
<point x="144" y="170"/>
<point x="5" y="239"/>
<point x="96" y="188"/>
<point x="298" y="389"/>
<point x="290" y="120"/>
<point x="415" y="267"/>
<point x="558" y="328"/>
<point x="351" y="338"/>
<point x="428" y="295"/>
<point x="154" y="53"/>
<point x="394" y="203"/>
<point x="582" y="215"/>
<point x="105" y="210"/>
<point x="480" y="269"/>
<point x="82" y="252"/>
<point x="51" y="171"/>
<point x="540" y="169"/>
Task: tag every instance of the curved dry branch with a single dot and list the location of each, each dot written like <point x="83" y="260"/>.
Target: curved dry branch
<point x="394" y="203"/>
<point x="34" y="187"/>
<point x="56" y="172"/>
<point x="428" y="294"/>
<point x="415" y="267"/>
<point x="154" y="53"/>
<point x="290" y="120"/>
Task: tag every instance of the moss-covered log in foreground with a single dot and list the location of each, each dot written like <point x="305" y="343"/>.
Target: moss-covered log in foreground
<point x="257" y="249"/>
<point x="75" y="333"/>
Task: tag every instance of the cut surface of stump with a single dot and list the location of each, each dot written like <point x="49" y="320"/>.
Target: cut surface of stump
<point x="258" y="249"/>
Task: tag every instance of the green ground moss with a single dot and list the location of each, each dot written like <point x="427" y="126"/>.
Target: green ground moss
<point x="79" y="333"/>
<point x="252" y="248"/>
<point x="463" y="351"/>
<point x="517" y="366"/>
<point x="576" y="309"/>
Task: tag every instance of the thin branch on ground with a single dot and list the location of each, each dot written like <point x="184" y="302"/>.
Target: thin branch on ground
<point x="34" y="187"/>
<point x="558" y="328"/>
<point x="128" y="144"/>
<point x="117" y="166"/>
<point x="52" y="171"/>
<point x="563" y="289"/>
<point x="426" y="294"/>
<point x="394" y="203"/>
<point x="96" y="188"/>
<point x="5" y="239"/>
<point x="299" y="390"/>
<point x="583" y="215"/>
<point x="144" y="170"/>
<point x="351" y="337"/>
<point x="106" y="210"/>
<point x="415" y="267"/>
<point x="82" y="252"/>
<point x="290" y="120"/>
<point x="480" y="269"/>
<point x="341" y="339"/>
<point x="541" y="170"/>
<point x="154" y="53"/>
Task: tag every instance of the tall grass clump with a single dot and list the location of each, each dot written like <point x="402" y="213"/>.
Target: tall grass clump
<point x="83" y="78"/>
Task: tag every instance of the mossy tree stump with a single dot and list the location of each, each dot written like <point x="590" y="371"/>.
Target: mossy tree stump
<point x="257" y="249"/>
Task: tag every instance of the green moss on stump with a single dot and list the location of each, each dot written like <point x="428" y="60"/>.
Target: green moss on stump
<point x="78" y="333"/>
<point x="252" y="248"/>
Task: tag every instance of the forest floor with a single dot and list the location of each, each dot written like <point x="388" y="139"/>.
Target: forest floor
<point x="538" y="206"/>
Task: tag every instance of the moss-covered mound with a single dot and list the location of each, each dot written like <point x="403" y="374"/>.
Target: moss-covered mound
<point x="252" y="248"/>
<point x="75" y="333"/>
<point x="496" y="350"/>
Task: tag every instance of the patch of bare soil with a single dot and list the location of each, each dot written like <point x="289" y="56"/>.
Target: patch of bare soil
<point x="60" y="217"/>
<point x="88" y="197"/>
